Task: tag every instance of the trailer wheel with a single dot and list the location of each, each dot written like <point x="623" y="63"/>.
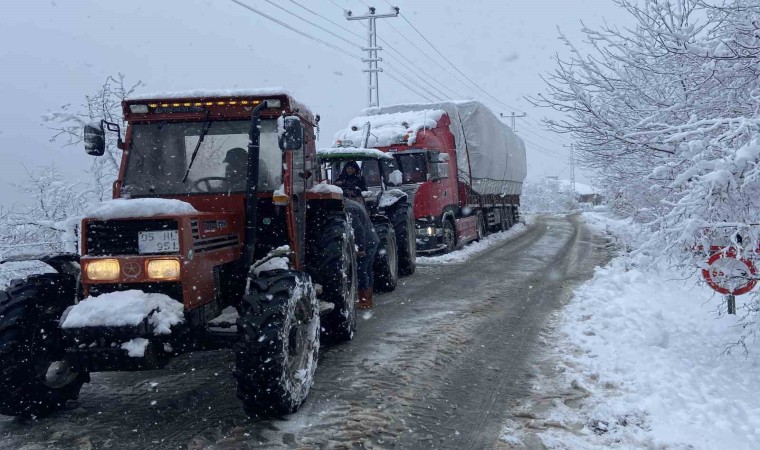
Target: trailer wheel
<point x="449" y="235"/>
<point x="278" y="343"/>
<point x="35" y="377"/>
<point x="336" y="272"/>
<point x="510" y="217"/>
<point x="386" y="261"/>
<point x="481" y="226"/>
<point x="403" y="224"/>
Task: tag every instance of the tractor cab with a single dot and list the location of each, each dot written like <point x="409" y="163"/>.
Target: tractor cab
<point x="379" y="170"/>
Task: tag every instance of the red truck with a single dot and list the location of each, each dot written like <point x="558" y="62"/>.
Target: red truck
<point x="461" y="166"/>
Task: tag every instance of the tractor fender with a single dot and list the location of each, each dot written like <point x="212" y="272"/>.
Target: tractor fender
<point x="65" y="263"/>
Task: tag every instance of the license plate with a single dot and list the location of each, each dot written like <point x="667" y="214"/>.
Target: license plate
<point x="158" y="241"/>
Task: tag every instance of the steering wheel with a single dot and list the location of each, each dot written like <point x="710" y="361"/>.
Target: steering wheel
<point x="206" y="182"/>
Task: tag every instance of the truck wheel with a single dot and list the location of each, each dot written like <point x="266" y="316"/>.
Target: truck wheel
<point x="336" y="272"/>
<point x="35" y="377"/>
<point x="385" y="266"/>
<point x="278" y="343"/>
<point x="449" y="235"/>
<point x="403" y="224"/>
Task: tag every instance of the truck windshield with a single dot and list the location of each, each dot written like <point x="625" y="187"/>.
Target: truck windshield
<point x="413" y="166"/>
<point x="160" y="153"/>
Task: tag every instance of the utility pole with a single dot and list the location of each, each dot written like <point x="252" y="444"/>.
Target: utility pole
<point x="572" y="165"/>
<point x="372" y="70"/>
<point x="513" y="116"/>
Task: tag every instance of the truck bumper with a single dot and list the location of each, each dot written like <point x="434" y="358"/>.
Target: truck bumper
<point x="429" y="239"/>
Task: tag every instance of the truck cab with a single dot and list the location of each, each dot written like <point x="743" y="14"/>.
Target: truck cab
<point x="425" y="154"/>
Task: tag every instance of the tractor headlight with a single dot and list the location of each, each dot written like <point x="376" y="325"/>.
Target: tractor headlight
<point x="163" y="269"/>
<point x="103" y="270"/>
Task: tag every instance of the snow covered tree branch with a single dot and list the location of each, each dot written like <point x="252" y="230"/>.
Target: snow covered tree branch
<point x="667" y="115"/>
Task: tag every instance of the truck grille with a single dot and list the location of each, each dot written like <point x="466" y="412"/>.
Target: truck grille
<point x="119" y="237"/>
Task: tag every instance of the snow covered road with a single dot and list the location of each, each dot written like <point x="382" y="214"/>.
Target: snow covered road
<point x="437" y="364"/>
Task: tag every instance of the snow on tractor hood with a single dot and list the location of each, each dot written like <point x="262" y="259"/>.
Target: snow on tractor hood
<point x="138" y="207"/>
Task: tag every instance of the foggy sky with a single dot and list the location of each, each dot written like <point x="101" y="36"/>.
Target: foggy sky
<point x="55" y="52"/>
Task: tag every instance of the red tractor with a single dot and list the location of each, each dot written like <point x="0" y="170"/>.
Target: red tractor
<point x="213" y="209"/>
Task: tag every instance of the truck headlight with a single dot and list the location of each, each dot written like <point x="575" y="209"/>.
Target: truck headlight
<point x="103" y="270"/>
<point x="163" y="269"/>
<point x="426" y="231"/>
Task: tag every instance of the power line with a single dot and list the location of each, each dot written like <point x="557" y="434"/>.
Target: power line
<point x="316" y="39"/>
<point x="407" y="86"/>
<point x="281" y="23"/>
<point x="314" y="24"/>
<point x="455" y="67"/>
<point x="400" y="54"/>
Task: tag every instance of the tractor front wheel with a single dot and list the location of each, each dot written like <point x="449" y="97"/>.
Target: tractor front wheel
<point x="35" y="377"/>
<point x="278" y="343"/>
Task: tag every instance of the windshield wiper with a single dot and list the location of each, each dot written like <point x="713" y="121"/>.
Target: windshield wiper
<point x="204" y="132"/>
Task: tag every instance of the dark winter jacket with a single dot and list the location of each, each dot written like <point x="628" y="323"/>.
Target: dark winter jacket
<point x="364" y="233"/>
<point x="352" y="181"/>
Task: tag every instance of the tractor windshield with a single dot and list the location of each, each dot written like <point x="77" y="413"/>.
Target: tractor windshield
<point x="160" y="153"/>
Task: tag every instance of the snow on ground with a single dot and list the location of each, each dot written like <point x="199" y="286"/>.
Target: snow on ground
<point x="472" y="249"/>
<point x="646" y="348"/>
<point x="126" y="308"/>
<point x="138" y="207"/>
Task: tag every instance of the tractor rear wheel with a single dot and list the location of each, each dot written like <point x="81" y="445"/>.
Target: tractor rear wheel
<point x="403" y="224"/>
<point x="336" y="272"/>
<point x="35" y="377"/>
<point x="278" y="343"/>
<point x="385" y="266"/>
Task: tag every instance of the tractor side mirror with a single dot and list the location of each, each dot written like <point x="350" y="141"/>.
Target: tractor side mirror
<point x="94" y="139"/>
<point x="290" y="133"/>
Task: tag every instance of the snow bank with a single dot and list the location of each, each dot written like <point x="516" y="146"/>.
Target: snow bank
<point x="470" y="250"/>
<point x="389" y="129"/>
<point x="325" y="188"/>
<point x="127" y="308"/>
<point x="353" y="152"/>
<point x="138" y="207"/>
<point x="648" y="347"/>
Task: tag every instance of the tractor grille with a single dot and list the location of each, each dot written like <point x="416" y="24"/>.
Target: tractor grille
<point x="119" y="237"/>
<point x="173" y="290"/>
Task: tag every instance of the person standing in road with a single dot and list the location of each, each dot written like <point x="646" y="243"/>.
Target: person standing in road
<point x="366" y="241"/>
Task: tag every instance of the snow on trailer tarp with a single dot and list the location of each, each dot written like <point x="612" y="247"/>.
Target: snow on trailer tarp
<point x="352" y="153"/>
<point x="497" y="158"/>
